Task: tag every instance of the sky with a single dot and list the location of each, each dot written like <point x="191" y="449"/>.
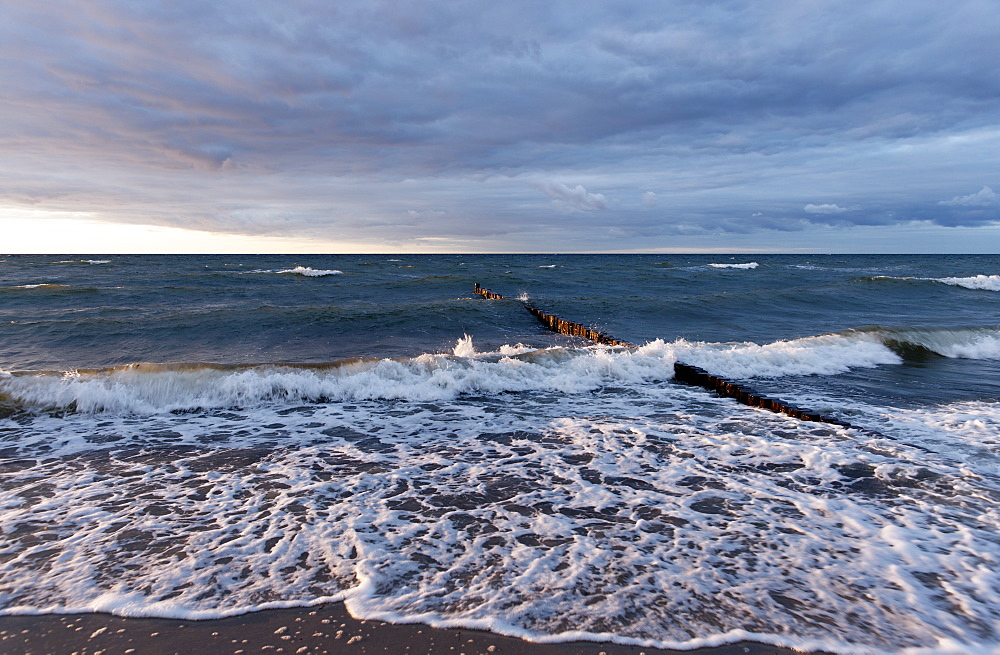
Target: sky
<point x="499" y="126"/>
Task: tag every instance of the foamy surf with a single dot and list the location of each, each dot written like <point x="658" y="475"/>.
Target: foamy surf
<point x="153" y="388"/>
<point x="568" y="516"/>
<point x="149" y="388"/>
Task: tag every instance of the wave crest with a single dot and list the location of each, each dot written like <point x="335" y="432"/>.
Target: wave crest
<point x="984" y="282"/>
<point x="978" y="282"/>
<point x="311" y="272"/>
<point x="747" y="266"/>
<point x="154" y="388"/>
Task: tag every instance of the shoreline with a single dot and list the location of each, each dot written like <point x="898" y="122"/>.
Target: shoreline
<point x="315" y="630"/>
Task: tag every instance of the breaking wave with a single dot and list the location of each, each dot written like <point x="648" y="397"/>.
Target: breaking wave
<point x="85" y="261"/>
<point x="146" y="388"/>
<point x="985" y="282"/>
<point x="746" y="266"/>
<point x="978" y="282"/>
<point x="311" y="272"/>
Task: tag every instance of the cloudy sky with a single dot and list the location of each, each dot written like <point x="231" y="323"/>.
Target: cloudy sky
<point x="500" y="126"/>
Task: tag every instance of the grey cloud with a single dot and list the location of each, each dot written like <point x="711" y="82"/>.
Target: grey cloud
<point x="824" y="209"/>
<point x="985" y="197"/>
<point x="575" y="198"/>
<point x="312" y="118"/>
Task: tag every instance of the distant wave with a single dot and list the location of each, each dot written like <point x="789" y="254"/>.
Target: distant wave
<point x="298" y="270"/>
<point x="45" y="285"/>
<point x="746" y="266"/>
<point x="85" y="261"/>
<point x="980" y="282"/>
<point x="311" y="272"/>
<point x="50" y="288"/>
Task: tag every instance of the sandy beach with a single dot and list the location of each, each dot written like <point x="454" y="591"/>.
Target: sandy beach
<point x="318" y="630"/>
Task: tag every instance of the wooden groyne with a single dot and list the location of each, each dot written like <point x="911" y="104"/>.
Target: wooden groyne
<point x="559" y="325"/>
<point x="486" y="293"/>
<point x="699" y="377"/>
<point x="683" y="373"/>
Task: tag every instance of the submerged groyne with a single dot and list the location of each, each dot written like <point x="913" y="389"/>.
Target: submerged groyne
<point x="683" y="373"/>
<point x="699" y="377"/>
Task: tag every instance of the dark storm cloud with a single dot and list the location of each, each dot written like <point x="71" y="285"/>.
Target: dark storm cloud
<point x="495" y="120"/>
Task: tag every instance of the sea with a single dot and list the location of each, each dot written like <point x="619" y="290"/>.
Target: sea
<point x="204" y="436"/>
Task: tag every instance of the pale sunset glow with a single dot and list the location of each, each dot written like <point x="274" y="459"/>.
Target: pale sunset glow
<point x="36" y="231"/>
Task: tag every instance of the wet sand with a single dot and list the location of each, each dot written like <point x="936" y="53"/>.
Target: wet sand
<point x="315" y="630"/>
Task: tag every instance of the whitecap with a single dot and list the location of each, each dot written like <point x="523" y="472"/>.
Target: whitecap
<point x="984" y="282"/>
<point x="311" y="272"/>
<point x="747" y="266"/>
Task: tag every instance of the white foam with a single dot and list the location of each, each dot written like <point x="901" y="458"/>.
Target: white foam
<point x="985" y="282"/>
<point x="464" y="347"/>
<point x="548" y="266"/>
<point x="821" y="355"/>
<point x="749" y="265"/>
<point x="517" y="349"/>
<point x="663" y="517"/>
<point x="310" y="272"/>
<point x="149" y="389"/>
<point x="84" y="261"/>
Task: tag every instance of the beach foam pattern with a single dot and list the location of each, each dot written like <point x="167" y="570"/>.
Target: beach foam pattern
<point x="620" y="510"/>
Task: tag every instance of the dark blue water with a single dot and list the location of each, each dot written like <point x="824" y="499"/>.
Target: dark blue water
<point x="242" y="309"/>
<point x="208" y="435"/>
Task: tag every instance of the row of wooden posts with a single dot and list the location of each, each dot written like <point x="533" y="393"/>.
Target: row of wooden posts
<point x="699" y="377"/>
<point x="559" y="325"/>
<point x="684" y="373"/>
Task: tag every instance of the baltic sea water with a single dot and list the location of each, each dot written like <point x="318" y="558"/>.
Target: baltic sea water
<point x="201" y="436"/>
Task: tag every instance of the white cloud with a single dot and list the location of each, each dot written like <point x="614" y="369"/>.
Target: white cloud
<point x="650" y="199"/>
<point x="575" y="198"/>
<point x="825" y="209"/>
<point x="985" y="197"/>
